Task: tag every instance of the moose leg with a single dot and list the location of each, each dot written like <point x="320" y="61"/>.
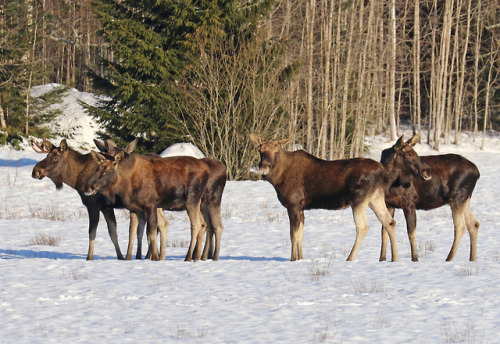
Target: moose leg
<point x="361" y="222"/>
<point x="377" y="204"/>
<point x="134" y="229"/>
<point x="457" y="212"/>
<point x="151" y="216"/>
<point x="93" y="221"/>
<point x="473" y="228"/>
<point x="109" y="216"/>
<point x="385" y="235"/>
<point x="208" y="249"/>
<point x="411" y="227"/>
<point x="216" y="228"/>
<point x="163" y="229"/>
<point x="296" y="217"/>
<point x="198" y="227"/>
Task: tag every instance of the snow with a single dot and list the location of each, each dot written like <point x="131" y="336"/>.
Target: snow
<point x="73" y="124"/>
<point x="253" y="294"/>
<point x="182" y="148"/>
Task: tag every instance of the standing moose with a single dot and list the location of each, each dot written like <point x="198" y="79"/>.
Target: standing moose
<point x="303" y="182"/>
<point x="429" y="182"/>
<point x="145" y="183"/>
<point x="210" y="202"/>
<point x="64" y="165"/>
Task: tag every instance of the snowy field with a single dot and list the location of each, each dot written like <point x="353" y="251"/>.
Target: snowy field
<point x="253" y="294"/>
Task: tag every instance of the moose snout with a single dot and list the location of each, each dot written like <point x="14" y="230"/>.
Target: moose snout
<point x="89" y="190"/>
<point x="426" y="175"/>
<point x="264" y="168"/>
<point x="37" y="174"/>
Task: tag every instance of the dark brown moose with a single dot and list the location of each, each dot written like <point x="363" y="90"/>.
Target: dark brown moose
<point x="64" y="165"/>
<point x="429" y="182"/>
<point x="210" y="202"/>
<point x="145" y="183"/>
<point x="303" y="182"/>
<point x="137" y="220"/>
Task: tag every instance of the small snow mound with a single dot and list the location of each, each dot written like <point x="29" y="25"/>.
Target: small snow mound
<point x="183" y="149"/>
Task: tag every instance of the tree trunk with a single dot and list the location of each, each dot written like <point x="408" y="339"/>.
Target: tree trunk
<point x="310" y="14"/>
<point x="392" y="74"/>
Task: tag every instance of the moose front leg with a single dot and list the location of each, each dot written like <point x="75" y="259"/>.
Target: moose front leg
<point x="109" y="216"/>
<point x="411" y="227"/>
<point x="296" y="217"/>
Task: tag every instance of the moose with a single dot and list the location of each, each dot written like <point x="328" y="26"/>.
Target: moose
<point x="64" y="165"/>
<point x="145" y="183"/>
<point x="210" y="203"/>
<point x="303" y="181"/>
<point x="429" y="182"/>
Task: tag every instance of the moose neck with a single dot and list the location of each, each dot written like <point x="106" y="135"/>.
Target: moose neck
<point x="282" y="163"/>
<point x="78" y="169"/>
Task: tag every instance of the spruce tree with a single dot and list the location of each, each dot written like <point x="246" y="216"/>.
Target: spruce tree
<point x="154" y="43"/>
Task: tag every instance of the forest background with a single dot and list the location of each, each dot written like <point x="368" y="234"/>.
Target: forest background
<point x="322" y="72"/>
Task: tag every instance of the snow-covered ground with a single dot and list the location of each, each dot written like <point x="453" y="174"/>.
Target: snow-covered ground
<point x="253" y="294"/>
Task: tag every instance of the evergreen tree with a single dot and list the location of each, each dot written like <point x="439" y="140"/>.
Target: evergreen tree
<point x="18" y="71"/>
<point x="154" y="43"/>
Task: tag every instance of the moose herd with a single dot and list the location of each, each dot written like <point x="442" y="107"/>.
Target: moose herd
<point x="147" y="184"/>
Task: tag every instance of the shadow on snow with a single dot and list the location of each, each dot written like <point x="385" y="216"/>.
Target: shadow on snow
<point x="17" y="163"/>
<point x="26" y="254"/>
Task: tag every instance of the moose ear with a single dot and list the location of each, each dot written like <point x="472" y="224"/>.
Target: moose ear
<point x="256" y="139"/>
<point x="63" y="146"/>
<point x="399" y="142"/>
<point x="119" y="157"/>
<point x="131" y="146"/>
<point x="414" y="140"/>
<point x="283" y="142"/>
<point x="102" y="146"/>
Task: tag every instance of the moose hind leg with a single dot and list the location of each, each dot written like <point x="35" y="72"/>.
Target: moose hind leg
<point x="385" y="236"/>
<point x="163" y="226"/>
<point x="473" y="228"/>
<point x="151" y="216"/>
<point x="361" y="222"/>
<point x="208" y="249"/>
<point x="377" y="204"/>
<point x="457" y="212"/>
<point x="198" y="227"/>
<point x="134" y="230"/>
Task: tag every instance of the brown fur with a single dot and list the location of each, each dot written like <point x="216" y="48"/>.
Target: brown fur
<point x="303" y="182"/>
<point x="429" y="182"/>
<point x="63" y="165"/>
<point x="145" y="183"/>
<point x="210" y="205"/>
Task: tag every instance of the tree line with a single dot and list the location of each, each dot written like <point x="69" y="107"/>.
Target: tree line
<point x="322" y="72"/>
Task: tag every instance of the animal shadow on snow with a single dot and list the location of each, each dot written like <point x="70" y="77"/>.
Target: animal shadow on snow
<point x="31" y="254"/>
<point x="239" y="258"/>
<point x="17" y="163"/>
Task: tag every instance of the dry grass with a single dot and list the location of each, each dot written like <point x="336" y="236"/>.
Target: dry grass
<point x="178" y="242"/>
<point x="468" y="269"/>
<point x="459" y="333"/>
<point x="75" y="274"/>
<point x="46" y="239"/>
<point x="362" y="286"/>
